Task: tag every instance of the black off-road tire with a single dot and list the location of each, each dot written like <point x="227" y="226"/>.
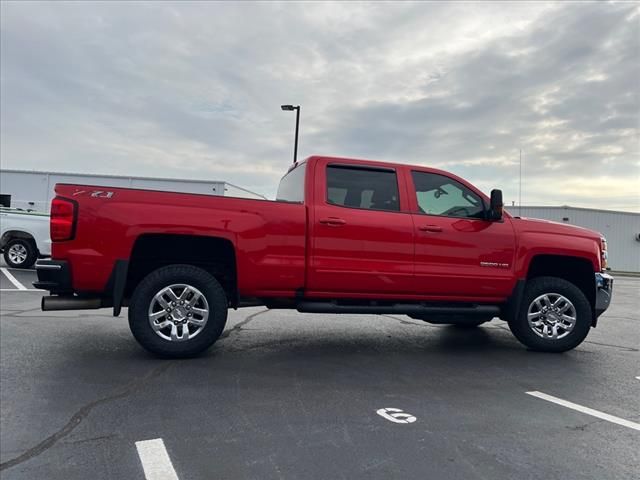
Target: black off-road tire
<point x="144" y="294"/>
<point x="543" y="285"/>
<point x="25" y="245"/>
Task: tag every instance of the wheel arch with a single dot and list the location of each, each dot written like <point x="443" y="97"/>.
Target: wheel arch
<point x="576" y="270"/>
<point x="213" y="254"/>
<point x="17" y="234"/>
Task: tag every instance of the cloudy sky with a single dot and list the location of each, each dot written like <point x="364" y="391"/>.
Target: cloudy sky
<point x="192" y="90"/>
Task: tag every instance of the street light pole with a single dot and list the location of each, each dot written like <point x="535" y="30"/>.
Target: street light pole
<point x="295" y="146"/>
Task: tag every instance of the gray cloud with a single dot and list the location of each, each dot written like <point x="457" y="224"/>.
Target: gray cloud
<point x="193" y="90"/>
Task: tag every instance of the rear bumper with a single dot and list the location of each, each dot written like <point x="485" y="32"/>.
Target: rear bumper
<point x="53" y="275"/>
<point x="604" y="292"/>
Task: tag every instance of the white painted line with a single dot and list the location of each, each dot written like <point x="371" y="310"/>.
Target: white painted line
<point x="155" y="460"/>
<point x="12" y="279"/>
<point x="396" y="415"/>
<point x="588" y="411"/>
<point x="21" y="290"/>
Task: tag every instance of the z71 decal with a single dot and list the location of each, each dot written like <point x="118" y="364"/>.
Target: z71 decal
<point x="95" y="193"/>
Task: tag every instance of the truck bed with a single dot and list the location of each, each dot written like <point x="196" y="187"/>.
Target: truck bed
<point x="269" y="236"/>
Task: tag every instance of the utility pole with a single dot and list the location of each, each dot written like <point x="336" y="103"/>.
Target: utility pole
<point x="295" y="145"/>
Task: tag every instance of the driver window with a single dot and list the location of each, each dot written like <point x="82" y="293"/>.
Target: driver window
<point x="441" y="195"/>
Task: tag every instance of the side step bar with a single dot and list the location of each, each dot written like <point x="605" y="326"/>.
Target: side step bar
<point x="398" y="309"/>
<point x="69" y="302"/>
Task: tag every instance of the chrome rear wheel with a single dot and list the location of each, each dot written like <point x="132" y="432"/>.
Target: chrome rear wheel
<point x="20" y="253"/>
<point x="17" y="253"/>
<point x="178" y="312"/>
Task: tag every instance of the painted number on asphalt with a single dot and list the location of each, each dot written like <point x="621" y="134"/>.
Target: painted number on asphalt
<point x="396" y="415"/>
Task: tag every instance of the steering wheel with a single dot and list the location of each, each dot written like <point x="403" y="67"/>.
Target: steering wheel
<point x="457" y="212"/>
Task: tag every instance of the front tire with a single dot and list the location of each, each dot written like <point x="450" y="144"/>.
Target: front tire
<point x="20" y="253"/>
<point x="555" y="316"/>
<point x="178" y="311"/>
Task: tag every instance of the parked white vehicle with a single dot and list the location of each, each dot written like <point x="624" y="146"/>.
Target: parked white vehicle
<point x="24" y="237"/>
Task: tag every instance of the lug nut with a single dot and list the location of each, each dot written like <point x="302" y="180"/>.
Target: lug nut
<point x="173" y="304"/>
<point x="189" y="314"/>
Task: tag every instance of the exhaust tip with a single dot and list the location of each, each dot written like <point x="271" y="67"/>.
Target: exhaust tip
<point x="57" y="302"/>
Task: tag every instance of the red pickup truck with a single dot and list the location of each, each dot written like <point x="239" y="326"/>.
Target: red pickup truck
<point x="342" y="236"/>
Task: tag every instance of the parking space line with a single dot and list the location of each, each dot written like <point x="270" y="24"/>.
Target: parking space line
<point x="23" y="290"/>
<point x="12" y="279"/>
<point x="587" y="410"/>
<point x="155" y="460"/>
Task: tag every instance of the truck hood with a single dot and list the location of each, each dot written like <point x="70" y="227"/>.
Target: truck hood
<point x="538" y="225"/>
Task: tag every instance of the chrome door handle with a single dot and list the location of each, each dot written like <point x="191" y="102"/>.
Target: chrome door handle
<point x="430" y="228"/>
<point x="332" y="221"/>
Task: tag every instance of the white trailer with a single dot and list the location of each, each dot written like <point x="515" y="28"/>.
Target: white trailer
<point x="33" y="190"/>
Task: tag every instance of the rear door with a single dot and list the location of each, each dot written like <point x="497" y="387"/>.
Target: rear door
<point x="361" y="232"/>
<point x="458" y="252"/>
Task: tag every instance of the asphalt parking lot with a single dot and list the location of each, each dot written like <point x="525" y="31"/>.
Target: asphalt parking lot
<point x="296" y="396"/>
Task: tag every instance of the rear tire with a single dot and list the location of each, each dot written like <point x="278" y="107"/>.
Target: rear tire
<point x="20" y="253"/>
<point x="167" y="311"/>
<point x="551" y="306"/>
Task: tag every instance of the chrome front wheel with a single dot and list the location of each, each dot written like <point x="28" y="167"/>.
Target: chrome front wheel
<point x="551" y="316"/>
<point x="554" y="315"/>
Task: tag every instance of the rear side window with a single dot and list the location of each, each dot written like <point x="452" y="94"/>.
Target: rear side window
<point x="291" y="188"/>
<point x="373" y="189"/>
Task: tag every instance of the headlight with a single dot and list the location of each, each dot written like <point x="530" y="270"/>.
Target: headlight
<point x="603" y="253"/>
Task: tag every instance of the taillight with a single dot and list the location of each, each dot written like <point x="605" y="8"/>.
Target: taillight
<point x="63" y="219"/>
<point x="604" y="255"/>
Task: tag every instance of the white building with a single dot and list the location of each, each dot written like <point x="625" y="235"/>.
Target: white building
<point x="621" y="229"/>
<point x="34" y="190"/>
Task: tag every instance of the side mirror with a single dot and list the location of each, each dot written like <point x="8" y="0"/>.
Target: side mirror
<point x="495" y="208"/>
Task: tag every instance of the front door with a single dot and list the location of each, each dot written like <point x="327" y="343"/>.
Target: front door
<point x="458" y="252"/>
<point x="361" y="233"/>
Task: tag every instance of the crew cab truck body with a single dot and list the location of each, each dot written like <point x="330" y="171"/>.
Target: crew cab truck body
<point x="343" y="236"/>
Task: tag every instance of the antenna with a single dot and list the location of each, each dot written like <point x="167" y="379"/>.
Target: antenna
<point x="520" y="187"/>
